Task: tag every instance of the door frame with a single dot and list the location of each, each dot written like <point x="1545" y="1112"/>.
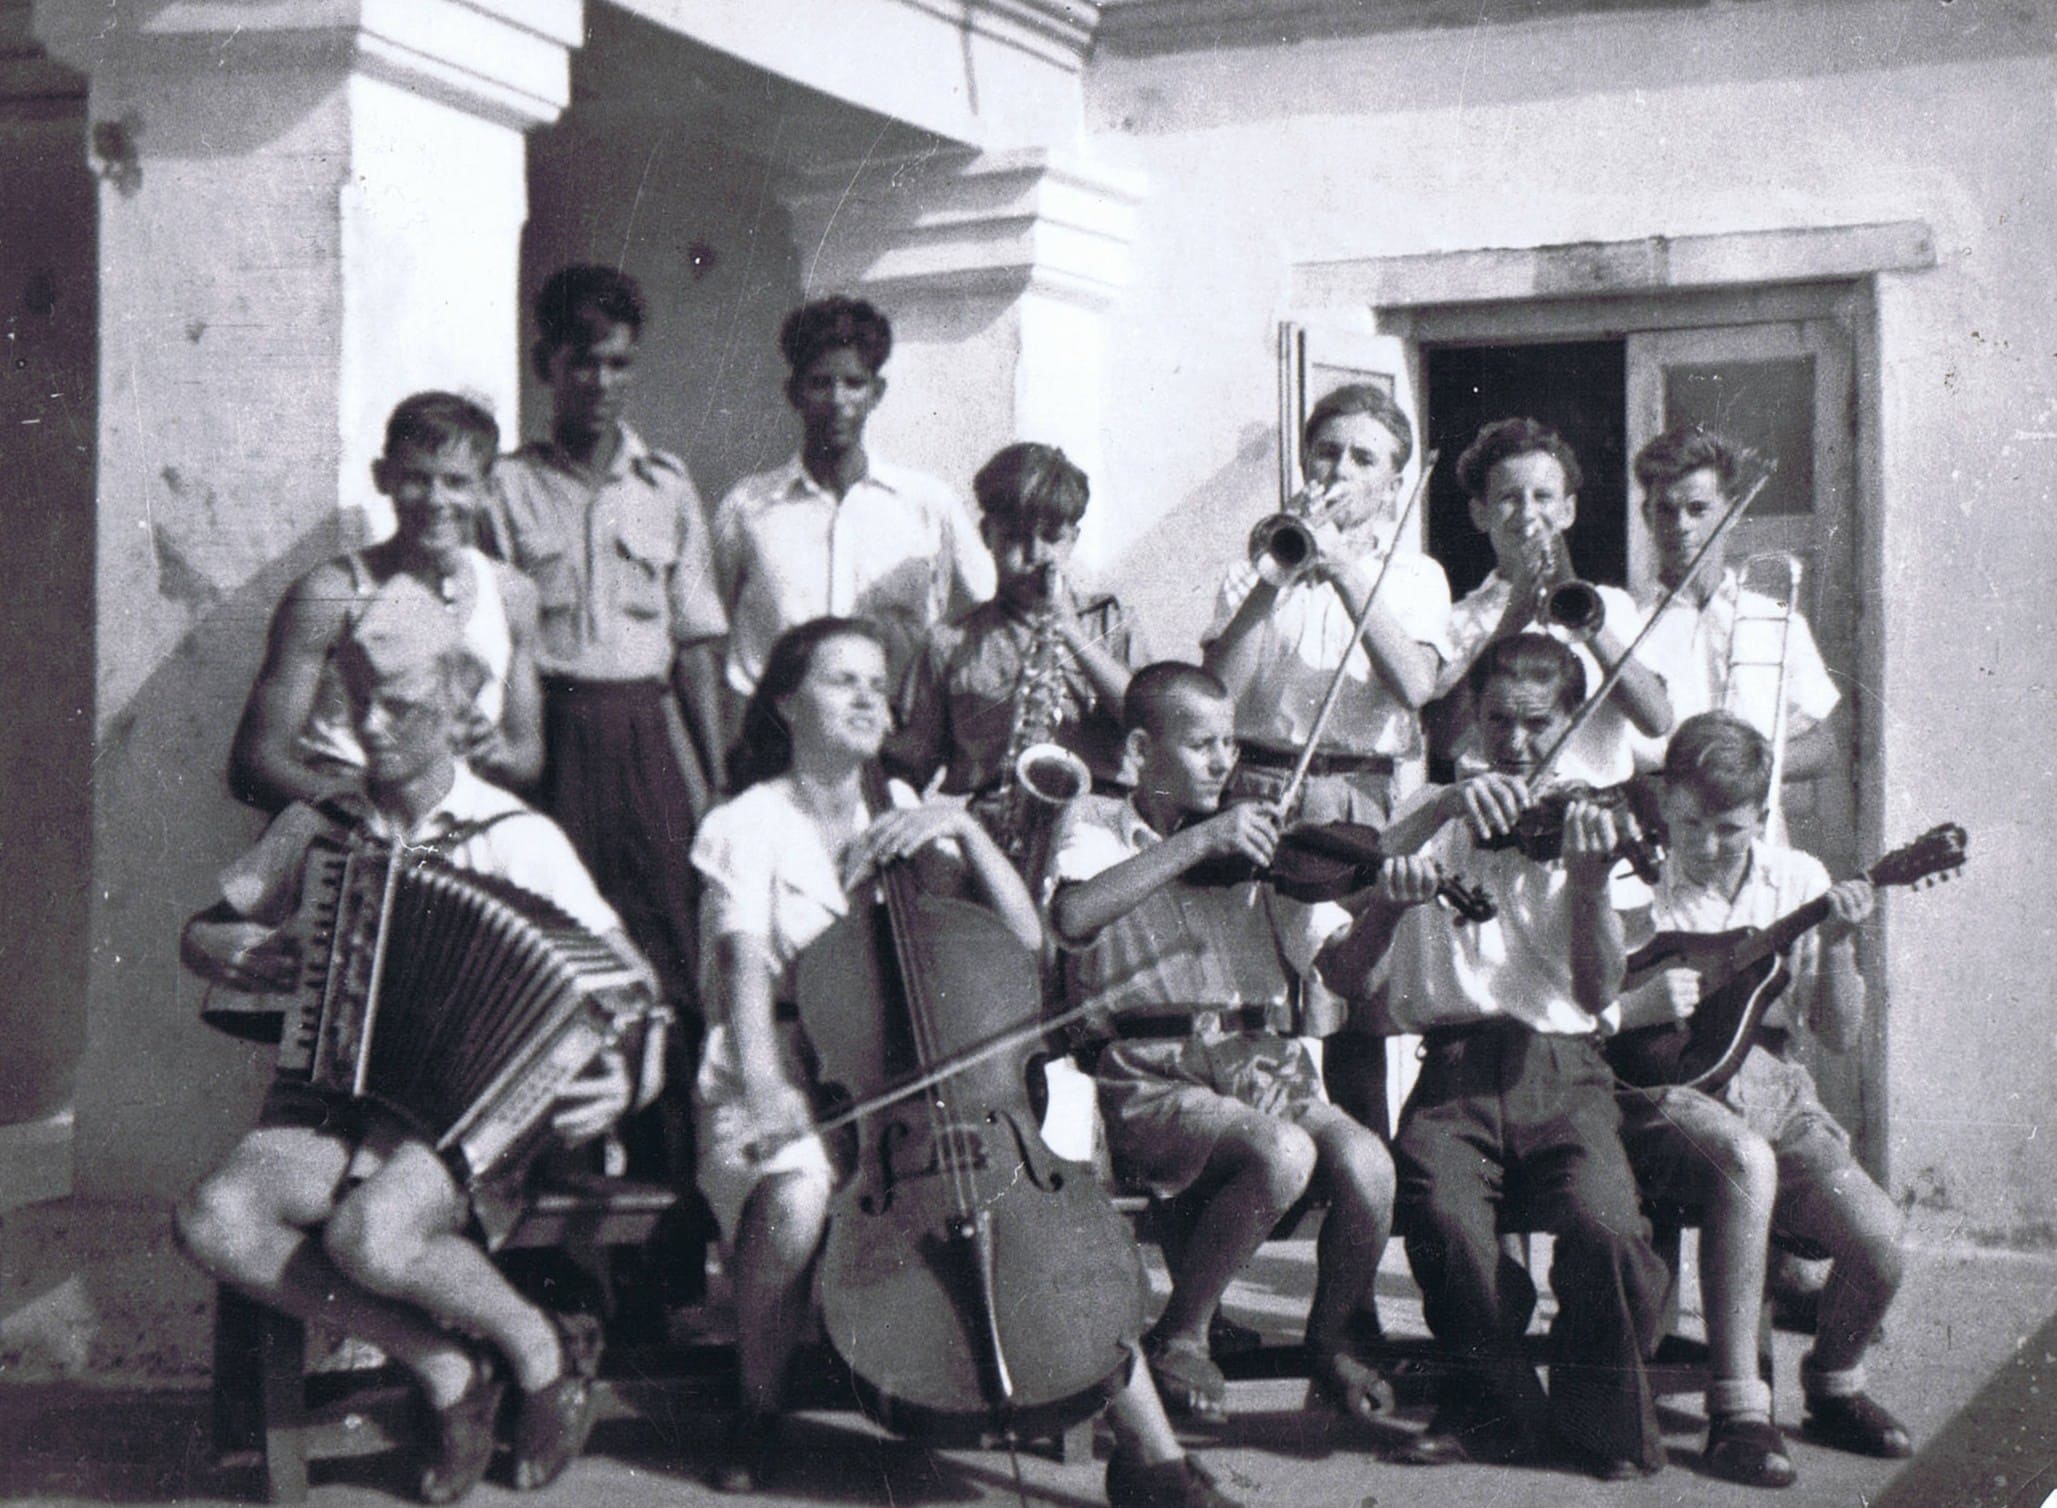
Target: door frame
<point x="1484" y="296"/>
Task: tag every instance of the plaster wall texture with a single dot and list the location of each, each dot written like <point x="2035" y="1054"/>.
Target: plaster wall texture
<point x="1618" y="128"/>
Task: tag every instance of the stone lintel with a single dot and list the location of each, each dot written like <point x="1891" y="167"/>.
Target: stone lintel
<point x="1799" y="255"/>
<point x="968" y="225"/>
<point x="504" y="60"/>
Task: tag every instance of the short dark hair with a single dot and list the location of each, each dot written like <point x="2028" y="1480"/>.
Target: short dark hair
<point x="1366" y="398"/>
<point x="829" y="324"/>
<point x="1033" y="487"/>
<point x="1504" y="439"/>
<point x="577" y="305"/>
<point x="1678" y="453"/>
<point x="1532" y="660"/>
<point x="430" y="421"/>
<point x="1721" y="759"/>
<point x="1153" y="689"/>
<point x="764" y="749"/>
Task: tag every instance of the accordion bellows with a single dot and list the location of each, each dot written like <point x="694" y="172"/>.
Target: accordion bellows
<point x="458" y="1001"/>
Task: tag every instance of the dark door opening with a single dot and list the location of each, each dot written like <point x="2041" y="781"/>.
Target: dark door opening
<point x="1579" y="389"/>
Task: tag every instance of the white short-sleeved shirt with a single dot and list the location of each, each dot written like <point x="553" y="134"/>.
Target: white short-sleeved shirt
<point x="1308" y="634"/>
<point x="1440" y="971"/>
<point x="1778" y="881"/>
<point x="1603" y="752"/>
<point x="1186" y="946"/>
<point x="1690" y="648"/>
<point x="900" y="548"/>
<point x="771" y="875"/>
<point x="522" y="846"/>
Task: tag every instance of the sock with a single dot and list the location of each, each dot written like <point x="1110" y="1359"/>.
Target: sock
<point x="1739" y="1398"/>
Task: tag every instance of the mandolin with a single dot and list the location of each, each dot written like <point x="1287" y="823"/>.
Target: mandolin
<point x="1741" y="973"/>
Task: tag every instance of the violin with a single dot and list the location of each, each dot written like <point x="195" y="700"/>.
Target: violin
<point x="1538" y="833"/>
<point x="971" y="1278"/>
<point x="1325" y="861"/>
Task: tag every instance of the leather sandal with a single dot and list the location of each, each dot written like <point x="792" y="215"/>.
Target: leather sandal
<point x="1749" y="1451"/>
<point x="1858" y="1423"/>
<point x="552" y="1423"/>
<point x="1227" y="1337"/>
<point x="1343" y="1384"/>
<point x="1187" y="1379"/>
<point x="459" y="1444"/>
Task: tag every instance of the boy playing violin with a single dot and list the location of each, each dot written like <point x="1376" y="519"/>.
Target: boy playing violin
<point x="1722" y="873"/>
<point x="1204" y="1089"/>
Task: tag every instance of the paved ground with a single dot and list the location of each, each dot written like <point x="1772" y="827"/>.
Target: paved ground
<point x="1969" y="1360"/>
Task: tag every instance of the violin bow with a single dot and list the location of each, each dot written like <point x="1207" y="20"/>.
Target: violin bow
<point x="1620" y="667"/>
<point x="1305" y="762"/>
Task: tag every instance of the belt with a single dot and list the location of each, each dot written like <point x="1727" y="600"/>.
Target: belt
<point x="1139" y="1026"/>
<point x="594" y="691"/>
<point x="1260" y="757"/>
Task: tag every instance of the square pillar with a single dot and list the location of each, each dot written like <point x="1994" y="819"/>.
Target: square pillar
<point x="304" y="213"/>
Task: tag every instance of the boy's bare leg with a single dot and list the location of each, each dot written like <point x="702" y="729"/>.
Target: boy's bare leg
<point x="1834" y="1202"/>
<point x="246" y="1224"/>
<point x="1357" y="1173"/>
<point x="1257" y="1170"/>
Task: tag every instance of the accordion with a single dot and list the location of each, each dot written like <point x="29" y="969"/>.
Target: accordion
<point x="460" y="1002"/>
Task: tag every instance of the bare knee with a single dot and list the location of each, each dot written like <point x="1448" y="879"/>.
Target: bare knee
<point x="1357" y="1167"/>
<point x="220" y="1225"/>
<point x="785" y="1219"/>
<point x="373" y="1245"/>
<point x="1279" y="1154"/>
<point x="1747" y="1181"/>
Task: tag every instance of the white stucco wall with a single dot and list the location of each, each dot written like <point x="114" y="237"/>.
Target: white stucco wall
<point x="1606" y="128"/>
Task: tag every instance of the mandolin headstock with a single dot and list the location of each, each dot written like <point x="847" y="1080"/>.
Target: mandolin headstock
<point x="1931" y="858"/>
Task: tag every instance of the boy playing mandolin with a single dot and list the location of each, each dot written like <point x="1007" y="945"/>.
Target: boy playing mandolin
<point x="1722" y="874"/>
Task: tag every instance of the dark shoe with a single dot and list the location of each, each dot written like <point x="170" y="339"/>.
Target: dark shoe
<point x="1749" y="1451"/>
<point x="746" y="1452"/>
<point x="552" y="1423"/>
<point x="1466" y="1432"/>
<point x="1187" y="1379"/>
<point x="1226" y="1338"/>
<point x="1183" y="1483"/>
<point x="1856" y="1423"/>
<point x="459" y="1446"/>
<point x="1348" y="1387"/>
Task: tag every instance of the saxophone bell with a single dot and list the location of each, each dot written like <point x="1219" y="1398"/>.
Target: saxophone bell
<point x="1052" y="774"/>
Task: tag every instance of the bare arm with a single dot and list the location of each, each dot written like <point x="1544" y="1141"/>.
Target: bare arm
<point x="1082" y="908"/>
<point x="1346" y="962"/>
<point x="1640" y="692"/>
<point x="1598" y="956"/>
<point x="512" y="753"/>
<point x="226" y="948"/>
<point x="1837" y="1016"/>
<point x="696" y="679"/>
<point x="1109" y="675"/>
<point x="265" y="765"/>
<point x="900" y="835"/>
<point x="1234" y="655"/>
<point x="743" y="964"/>
<point x="1810" y="752"/>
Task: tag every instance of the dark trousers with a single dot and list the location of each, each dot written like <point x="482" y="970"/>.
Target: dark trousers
<point x="612" y="781"/>
<point x="1503" y="1118"/>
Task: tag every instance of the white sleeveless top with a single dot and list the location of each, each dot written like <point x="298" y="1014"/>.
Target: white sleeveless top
<point x="328" y="736"/>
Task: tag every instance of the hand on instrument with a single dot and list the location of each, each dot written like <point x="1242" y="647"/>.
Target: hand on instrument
<point x="1408" y="881"/>
<point x="244" y="955"/>
<point x="1593" y="835"/>
<point x="778" y="1109"/>
<point x="1670" y="997"/>
<point x="593" y="1101"/>
<point x="1493" y="802"/>
<point x="901" y="834"/>
<point x="1849" y="903"/>
<point x="1249" y="829"/>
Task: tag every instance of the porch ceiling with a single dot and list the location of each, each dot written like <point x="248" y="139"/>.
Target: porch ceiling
<point x="1159" y="26"/>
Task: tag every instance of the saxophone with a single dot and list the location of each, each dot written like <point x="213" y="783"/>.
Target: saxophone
<point x="1039" y="776"/>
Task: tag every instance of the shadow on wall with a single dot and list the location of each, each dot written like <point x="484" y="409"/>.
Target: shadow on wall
<point x="162" y="1096"/>
<point x="1170" y="575"/>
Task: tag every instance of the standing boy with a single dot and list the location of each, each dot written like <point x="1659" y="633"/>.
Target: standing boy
<point x="977" y="676"/>
<point x="295" y="742"/>
<point x="334" y="1211"/>
<point x="1514" y="1111"/>
<point x="1523" y="480"/>
<point x="1722" y="873"/>
<point x="838" y="531"/>
<point x="1205" y="1089"/>
<point x="613" y="536"/>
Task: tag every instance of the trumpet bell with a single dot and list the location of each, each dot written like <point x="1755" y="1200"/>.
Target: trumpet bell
<point x="1575" y="607"/>
<point x="1052" y="774"/>
<point x="1282" y="548"/>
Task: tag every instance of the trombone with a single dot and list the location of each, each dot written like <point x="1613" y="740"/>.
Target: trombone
<point x="1760" y="639"/>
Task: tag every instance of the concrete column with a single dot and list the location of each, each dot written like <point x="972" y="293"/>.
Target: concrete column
<point x="305" y="211"/>
<point x="997" y="270"/>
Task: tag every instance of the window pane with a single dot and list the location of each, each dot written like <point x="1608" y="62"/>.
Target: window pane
<point x="1767" y="406"/>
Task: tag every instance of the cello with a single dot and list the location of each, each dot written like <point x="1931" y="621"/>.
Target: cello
<point x="972" y="1280"/>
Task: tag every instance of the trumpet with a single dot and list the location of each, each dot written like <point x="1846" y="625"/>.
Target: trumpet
<point x="1283" y="548"/>
<point x="1562" y="600"/>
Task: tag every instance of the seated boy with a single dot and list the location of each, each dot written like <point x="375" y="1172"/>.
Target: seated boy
<point x="1204" y="1089"/>
<point x="972" y="694"/>
<point x="1523" y="482"/>
<point x="1722" y="873"/>
<point x="332" y="1210"/>
<point x="1514" y="1108"/>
